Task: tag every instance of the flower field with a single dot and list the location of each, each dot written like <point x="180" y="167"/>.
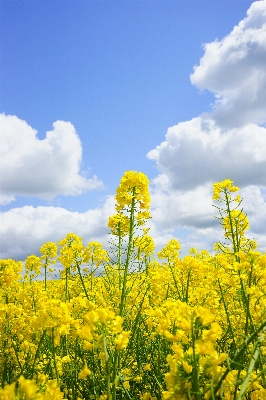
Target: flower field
<point x="147" y="326"/>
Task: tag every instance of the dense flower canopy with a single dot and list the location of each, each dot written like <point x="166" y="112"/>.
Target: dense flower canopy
<point x="178" y="328"/>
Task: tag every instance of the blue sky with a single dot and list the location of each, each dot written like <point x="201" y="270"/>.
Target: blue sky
<point x="119" y="72"/>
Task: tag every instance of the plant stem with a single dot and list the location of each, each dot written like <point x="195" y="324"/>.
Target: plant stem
<point x="53" y="352"/>
<point x="251" y="367"/>
<point x="82" y="281"/>
<point x="231" y="223"/>
<point x="37" y="353"/>
<point x="239" y="354"/>
<point x="129" y="250"/>
<point x="227" y="314"/>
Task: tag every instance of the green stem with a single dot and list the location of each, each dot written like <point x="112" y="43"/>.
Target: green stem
<point x="227" y="314"/>
<point x="174" y="279"/>
<point x="54" y="359"/>
<point x="231" y="223"/>
<point x="195" y="374"/>
<point x="115" y="365"/>
<point x="119" y="256"/>
<point x="107" y="372"/>
<point x="248" y="314"/>
<point x="251" y="367"/>
<point x="67" y="291"/>
<point x="17" y="357"/>
<point x="82" y="281"/>
<point x="239" y="354"/>
<point x="37" y="353"/>
<point x="45" y="272"/>
<point x="188" y="280"/>
<point x="129" y="250"/>
<point x="124" y="284"/>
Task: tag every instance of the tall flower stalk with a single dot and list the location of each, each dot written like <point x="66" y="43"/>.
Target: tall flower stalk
<point x="132" y="206"/>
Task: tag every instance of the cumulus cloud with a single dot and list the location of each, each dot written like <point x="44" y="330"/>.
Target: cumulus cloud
<point x="235" y="70"/>
<point x="229" y="141"/>
<point x="23" y="230"/>
<point x="254" y="204"/>
<point x="190" y="216"/>
<point x="41" y="168"/>
<point x="186" y="208"/>
<point x="198" y="151"/>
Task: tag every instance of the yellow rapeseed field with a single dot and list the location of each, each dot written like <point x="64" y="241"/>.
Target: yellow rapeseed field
<point x="177" y="328"/>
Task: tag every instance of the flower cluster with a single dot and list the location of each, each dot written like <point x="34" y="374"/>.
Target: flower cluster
<point x="132" y="194"/>
<point x="225" y="188"/>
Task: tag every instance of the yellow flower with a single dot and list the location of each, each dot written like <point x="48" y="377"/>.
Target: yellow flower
<point x="71" y="249"/>
<point x="166" y="395"/>
<point x="84" y="373"/>
<point x="202" y="347"/>
<point x="177" y="348"/>
<point x="119" y="224"/>
<point x="8" y="392"/>
<point x="52" y="391"/>
<point x="205" y="316"/>
<point x="32" y="266"/>
<point x="147" y="396"/>
<point x="126" y="385"/>
<point x="145" y="245"/>
<point x="9" y="273"/>
<point x="215" y="332"/>
<point x="27" y="388"/>
<point x="122" y="340"/>
<point x="238" y="221"/>
<point x="117" y="324"/>
<point x="87" y="345"/>
<point x="86" y="333"/>
<point x="262" y="261"/>
<point x="95" y="253"/>
<point x="66" y="359"/>
<point x="133" y="180"/>
<point x="64" y="329"/>
<point x="187" y="367"/>
<point x="48" y="251"/>
<point x="224" y="186"/>
<point x="170" y="250"/>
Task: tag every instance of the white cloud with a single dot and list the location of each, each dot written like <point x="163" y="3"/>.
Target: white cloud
<point x="224" y="143"/>
<point x="41" y="168"/>
<point x="181" y="208"/>
<point x="254" y="204"/>
<point x="190" y="216"/>
<point x="198" y="151"/>
<point x="23" y="230"/>
<point x="227" y="142"/>
<point x="235" y="70"/>
<point x="186" y="215"/>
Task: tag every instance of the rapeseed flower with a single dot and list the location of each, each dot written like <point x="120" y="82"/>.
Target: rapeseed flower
<point x="224" y="187"/>
<point x="144" y="328"/>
